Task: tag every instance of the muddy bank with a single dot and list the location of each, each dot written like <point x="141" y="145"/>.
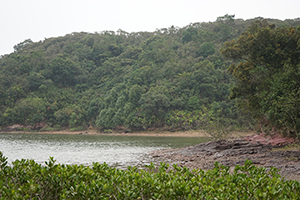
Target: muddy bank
<point x="261" y="150"/>
<point x="196" y="133"/>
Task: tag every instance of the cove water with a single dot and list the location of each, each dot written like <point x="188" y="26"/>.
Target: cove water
<point x="116" y="151"/>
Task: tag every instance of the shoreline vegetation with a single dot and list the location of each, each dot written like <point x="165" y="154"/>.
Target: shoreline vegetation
<point x="26" y="179"/>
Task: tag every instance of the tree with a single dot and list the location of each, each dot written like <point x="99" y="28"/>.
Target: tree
<point x="226" y="18"/>
<point x="63" y="70"/>
<point x="35" y="80"/>
<point x="193" y="103"/>
<point x="27" y="111"/>
<point x="225" y="24"/>
<point x="267" y="72"/>
<point x="155" y="102"/>
<point x="189" y="34"/>
<point x="105" y="118"/>
<point x="135" y="94"/>
<point x="20" y="46"/>
<point x="206" y="49"/>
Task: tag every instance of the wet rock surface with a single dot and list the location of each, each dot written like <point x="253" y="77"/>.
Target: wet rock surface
<point x="234" y="152"/>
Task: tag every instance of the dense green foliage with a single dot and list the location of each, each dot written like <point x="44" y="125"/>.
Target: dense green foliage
<point x="174" y="78"/>
<point x="25" y="179"/>
<point x="268" y="74"/>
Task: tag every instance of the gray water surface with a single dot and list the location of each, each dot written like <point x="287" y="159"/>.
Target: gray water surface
<point x="118" y="151"/>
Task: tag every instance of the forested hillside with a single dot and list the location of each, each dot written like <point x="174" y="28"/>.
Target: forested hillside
<point x="173" y="78"/>
<point x="267" y="76"/>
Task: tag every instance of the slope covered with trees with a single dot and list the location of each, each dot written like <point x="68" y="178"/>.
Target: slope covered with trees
<point x="173" y="78"/>
<point x="267" y="70"/>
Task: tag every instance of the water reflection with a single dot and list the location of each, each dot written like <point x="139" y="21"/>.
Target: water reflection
<point x="120" y="151"/>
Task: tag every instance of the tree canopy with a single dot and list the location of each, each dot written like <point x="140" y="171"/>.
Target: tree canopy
<point x="173" y="78"/>
<point x="267" y="72"/>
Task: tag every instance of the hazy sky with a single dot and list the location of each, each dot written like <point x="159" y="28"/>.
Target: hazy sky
<point x="40" y="19"/>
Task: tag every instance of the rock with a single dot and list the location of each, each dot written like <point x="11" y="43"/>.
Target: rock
<point x="231" y="153"/>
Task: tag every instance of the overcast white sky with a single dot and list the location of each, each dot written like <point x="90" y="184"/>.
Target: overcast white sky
<point x="40" y="19"/>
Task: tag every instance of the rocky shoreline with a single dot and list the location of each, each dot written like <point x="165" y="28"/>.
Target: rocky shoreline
<point x="262" y="150"/>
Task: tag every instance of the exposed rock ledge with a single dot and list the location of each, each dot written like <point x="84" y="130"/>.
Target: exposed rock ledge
<point x="261" y="150"/>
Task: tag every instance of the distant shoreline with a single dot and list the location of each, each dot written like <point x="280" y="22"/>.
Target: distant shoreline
<point x="191" y="133"/>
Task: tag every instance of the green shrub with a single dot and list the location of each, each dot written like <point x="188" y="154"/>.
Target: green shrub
<point x="107" y="131"/>
<point x="79" y="128"/>
<point x="25" y="179"/>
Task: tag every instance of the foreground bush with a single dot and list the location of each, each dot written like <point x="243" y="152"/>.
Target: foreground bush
<point x="25" y="179"/>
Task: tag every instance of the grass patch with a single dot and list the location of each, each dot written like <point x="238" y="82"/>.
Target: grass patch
<point x="289" y="147"/>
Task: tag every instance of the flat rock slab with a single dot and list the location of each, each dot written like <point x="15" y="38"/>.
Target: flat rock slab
<point x="232" y="153"/>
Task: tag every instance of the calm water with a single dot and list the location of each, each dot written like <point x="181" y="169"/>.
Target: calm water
<point x="118" y="151"/>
